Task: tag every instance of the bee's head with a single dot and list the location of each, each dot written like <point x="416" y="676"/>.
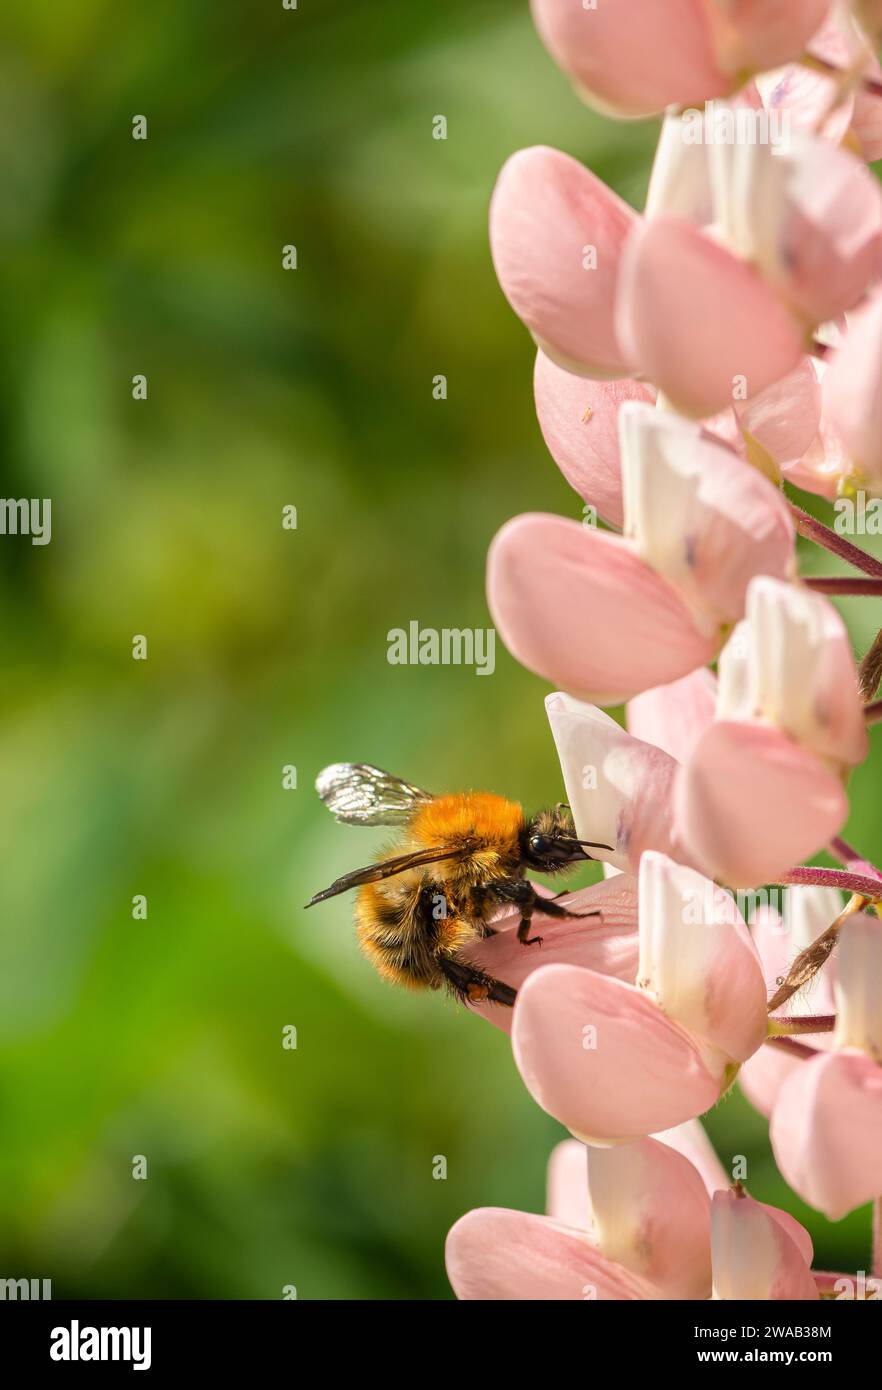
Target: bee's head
<point x="549" y="842"/>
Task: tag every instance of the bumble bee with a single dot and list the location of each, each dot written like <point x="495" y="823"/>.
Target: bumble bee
<point x="461" y="858"/>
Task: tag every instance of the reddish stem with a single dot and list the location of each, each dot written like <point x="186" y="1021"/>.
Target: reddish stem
<point x="804" y="1023"/>
<point x="864" y="884"/>
<point x="873" y="712"/>
<point x="837" y="584"/>
<point x="851" y="859"/>
<point x="816" y="531"/>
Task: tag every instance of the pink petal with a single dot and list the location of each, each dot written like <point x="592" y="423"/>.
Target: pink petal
<point x="579" y="423"/>
<point x="762" y="1076"/>
<point x="797" y="1233"/>
<point x="607" y="943"/>
<point x="826" y="1132"/>
<point x="837" y="43"/>
<point x="801" y="671"/>
<point x="831" y="249"/>
<point x="547" y="213"/>
<point x="673" y="716"/>
<point x="652" y="1215"/>
<point x="751" y="803"/>
<point x="697" y="959"/>
<point x="602" y="1058"/>
<point x="755" y="1255"/>
<point x="826" y="463"/>
<point x="494" y="1254"/>
<point x="690" y="1140"/>
<point x="784" y="419"/>
<point x="699" y="515"/>
<point x="670" y="273"/>
<point x="808" y="99"/>
<point x="853" y="390"/>
<point x="619" y="789"/>
<point x="621" y="55"/>
<point x="759" y="34"/>
<point x="866" y="122"/>
<point x="567" y="1186"/>
<point x="562" y="596"/>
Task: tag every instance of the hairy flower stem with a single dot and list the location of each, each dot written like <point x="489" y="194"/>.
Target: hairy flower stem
<point x="853" y="861"/>
<point x="801" y="1023"/>
<point x="837" y="584"/>
<point x="815" y="956"/>
<point x="816" y="531"/>
<point x="867" y="885"/>
<point x="870" y="672"/>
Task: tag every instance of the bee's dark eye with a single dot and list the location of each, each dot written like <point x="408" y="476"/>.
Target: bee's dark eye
<point x="539" y="844"/>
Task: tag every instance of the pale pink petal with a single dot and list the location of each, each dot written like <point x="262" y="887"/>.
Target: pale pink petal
<point x="796" y="654"/>
<point x="619" y="789"/>
<point x="556" y="234"/>
<point x="580" y="608"/>
<point x="621" y="56"/>
<point x="826" y="1132"/>
<point x="784" y="419"/>
<point x="579" y="423"/>
<point x="762" y="1076"/>
<point x="866" y="122"/>
<point x="750" y="803"/>
<point x="853" y="391"/>
<point x="607" y="943"/>
<point x="806" y="101"/>
<point x="697" y="959"/>
<point x="690" y="1140"/>
<point x="837" y="43"/>
<point x="670" y="273"/>
<point x="758" y="34"/>
<point x="602" y="1058"/>
<point x="567" y="1185"/>
<point x="825" y="463"/>
<point x="699" y="515"/>
<point x="830" y="248"/>
<point x="755" y="1255"/>
<point x="673" y="716"/>
<point x="652" y="1214"/>
<point x="858" y="990"/>
<point x="493" y="1254"/>
<point x="797" y="1233"/>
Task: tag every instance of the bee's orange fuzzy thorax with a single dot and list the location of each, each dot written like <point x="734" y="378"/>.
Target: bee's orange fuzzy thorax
<point x="465" y="815"/>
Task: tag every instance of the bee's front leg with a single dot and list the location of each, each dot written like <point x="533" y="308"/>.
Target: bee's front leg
<point x="551" y="908"/>
<point x="524" y="896"/>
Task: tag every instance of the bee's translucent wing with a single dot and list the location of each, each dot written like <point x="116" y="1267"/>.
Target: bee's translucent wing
<point x="359" y="794"/>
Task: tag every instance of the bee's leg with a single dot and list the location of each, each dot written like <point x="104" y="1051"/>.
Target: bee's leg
<point x="472" y="985"/>
<point x="549" y="908"/>
<point x="523" y="928"/>
<point x="524" y="896"/>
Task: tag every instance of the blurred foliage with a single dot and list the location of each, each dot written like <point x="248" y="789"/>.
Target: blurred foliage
<point x="266" y="647"/>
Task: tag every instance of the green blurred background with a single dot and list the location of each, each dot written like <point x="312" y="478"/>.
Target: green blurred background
<point x="267" y="647"/>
